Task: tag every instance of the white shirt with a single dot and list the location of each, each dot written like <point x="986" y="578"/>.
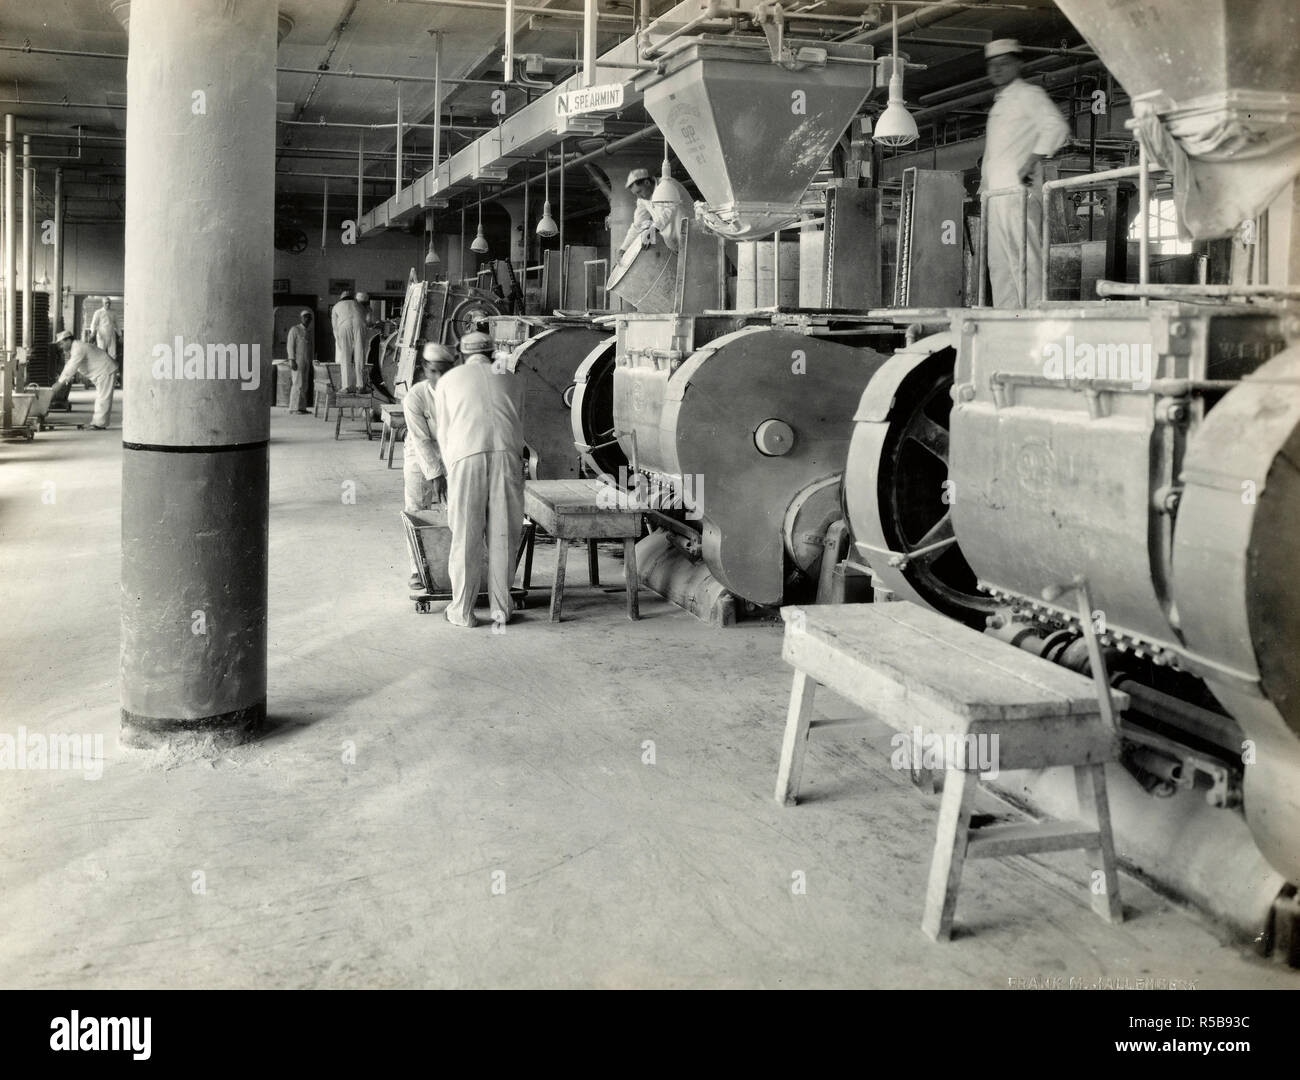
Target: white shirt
<point x="90" y="360"/>
<point x="1023" y="121"/>
<point x="477" y="410"/>
<point x="298" y="344"/>
<point x="421" y="428"/>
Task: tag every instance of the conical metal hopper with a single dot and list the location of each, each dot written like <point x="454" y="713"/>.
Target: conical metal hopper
<point x="1216" y="95"/>
<point x="1189" y="49"/>
<point x="753" y="133"/>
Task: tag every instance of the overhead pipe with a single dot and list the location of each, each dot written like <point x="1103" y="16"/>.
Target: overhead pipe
<point x="397" y="188"/>
<point x="11" y="285"/>
<point x="508" y="57"/>
<point x="385" y="76"/>
<point x="437" y="99"/>
<point x="1049" y="79"/>
<point x="449" y="126"/>
<point x="361" y="171"/>
<point x="918" y="20"/>
<point x="56" y="285"/>
<point x="522" y="9"/>
<point x="29" y="247"/>
<point x="1043" y="64"/>
<point x="1080" y="50"/>
<point x="588" y="42"/>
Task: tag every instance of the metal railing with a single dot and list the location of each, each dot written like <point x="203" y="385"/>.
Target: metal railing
<point x="1142" y="171"/>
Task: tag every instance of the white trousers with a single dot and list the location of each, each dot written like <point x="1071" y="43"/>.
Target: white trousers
<point x="485" y="497"/>
<point x="103" y="377"/>
<point x="298" y="382"/>
<point x="1006" y="240"/>
<point x="350" y="355"/>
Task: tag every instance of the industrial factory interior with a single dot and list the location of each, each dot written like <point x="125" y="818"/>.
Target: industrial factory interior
<point x="650" y="494"/>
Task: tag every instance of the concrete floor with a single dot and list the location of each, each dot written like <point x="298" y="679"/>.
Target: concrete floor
<point x="477" y="755"/>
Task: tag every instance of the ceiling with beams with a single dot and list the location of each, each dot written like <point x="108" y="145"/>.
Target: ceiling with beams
<point x="76" y="103"/>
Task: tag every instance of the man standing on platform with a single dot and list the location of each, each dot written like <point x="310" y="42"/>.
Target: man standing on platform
<point x="1024" y="127"/>
<point x="348" y="321"/>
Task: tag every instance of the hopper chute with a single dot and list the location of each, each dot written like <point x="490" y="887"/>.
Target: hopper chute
<point x="753" y="132"/>
<point x="1216" y="96"/>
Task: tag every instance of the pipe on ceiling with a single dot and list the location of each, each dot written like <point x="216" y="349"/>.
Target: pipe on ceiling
<point x="1049" y="79"/>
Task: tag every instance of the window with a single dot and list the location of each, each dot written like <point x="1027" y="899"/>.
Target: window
<point x="1164" y="228"/>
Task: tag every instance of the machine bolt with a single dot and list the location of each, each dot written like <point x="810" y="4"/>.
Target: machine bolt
<point x="1176" y="412"/>
<point x="1178" y="329"/>
<point x="774" y="438"/>
<point x="1171" y="501"/>
<point x="965" y="392"/>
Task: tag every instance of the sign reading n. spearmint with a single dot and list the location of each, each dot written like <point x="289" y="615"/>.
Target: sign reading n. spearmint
<point x="589" y="99"/>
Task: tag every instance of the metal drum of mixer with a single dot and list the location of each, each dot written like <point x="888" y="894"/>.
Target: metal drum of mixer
<point x="543" y="353"/>
<point x="742" y="431"/>
<point x="591" y="419"/>
<point x="1143" y="450"/>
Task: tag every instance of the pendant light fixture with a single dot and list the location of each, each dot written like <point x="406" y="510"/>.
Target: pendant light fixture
<point x="480" y="244"/>
<point x="546" y="228"/>
<point x="430" y="256"/>
<point x="896" y="126"/>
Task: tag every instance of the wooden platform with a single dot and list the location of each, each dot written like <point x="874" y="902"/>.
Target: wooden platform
<point x="915" y="669"/>
<point x="575" y="510"/>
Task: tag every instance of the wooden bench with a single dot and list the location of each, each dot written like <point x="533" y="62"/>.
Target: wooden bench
<point x="571" y="510"/>
<point x="913" y="668"/>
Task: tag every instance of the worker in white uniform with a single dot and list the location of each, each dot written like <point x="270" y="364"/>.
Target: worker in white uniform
<point x="103" y="328"/>
<point x="88" y="359"/>
<point x="642" y="185"/>
<point x="301" y="350"/>
<point x="480" y="436"/>
<point x="1024" y="127"/>
<point x="348" y="320"/>
<point x="423" y="473"/>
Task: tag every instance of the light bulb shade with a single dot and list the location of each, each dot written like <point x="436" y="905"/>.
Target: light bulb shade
<point x="896" y="127"/>
<point x="547" y="228"/>
<point x="480" y="244"/>
<point x="431" y="256"/>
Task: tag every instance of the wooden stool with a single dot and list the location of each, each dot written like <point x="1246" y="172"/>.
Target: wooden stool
<point x="392" y="429"/>
<point x="352" y="402"/>
<point x="917" y="670"/>
<point x="572" y="510"/>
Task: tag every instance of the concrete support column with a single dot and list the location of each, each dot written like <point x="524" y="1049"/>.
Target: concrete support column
<point x="514" y="206"/>
<point x="201" y="89"/>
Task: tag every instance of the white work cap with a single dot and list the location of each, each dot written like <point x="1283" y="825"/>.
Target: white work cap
<point x="475" y="342"/>
<point x="1002" y="47"/>
<point x="637" y="175"/>
<point x="305" y="311"/>
<point x="363" y="297"/>
<point x="62" y="335"/>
